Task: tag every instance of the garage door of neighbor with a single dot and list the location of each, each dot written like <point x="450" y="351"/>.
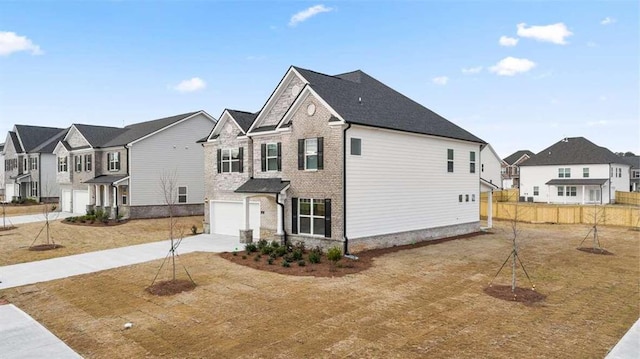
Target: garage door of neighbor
<point x="9" y="192"/>
<point x="66" y="200"/>
<point x="226" y="217"/>
<point x="80" y="201"/>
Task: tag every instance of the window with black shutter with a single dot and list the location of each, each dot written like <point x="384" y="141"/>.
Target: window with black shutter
<point x="294" y="215"/>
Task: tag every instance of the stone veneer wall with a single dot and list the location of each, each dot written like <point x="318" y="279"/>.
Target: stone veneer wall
<point x="183" y="210"/>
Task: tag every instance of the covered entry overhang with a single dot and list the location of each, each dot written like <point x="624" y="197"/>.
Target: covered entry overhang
<point x="489" y="187"/>
<point x="101" y="197"/>
<point x="583" y="183"/>
<point x="24" y="178"/>
<point x="256" y="187"/>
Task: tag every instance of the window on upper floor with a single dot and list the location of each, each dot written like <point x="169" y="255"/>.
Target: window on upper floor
<point x="635" y="174"/>
<point x="24" y="165"/>
<point x="564" y="172"/>
<point x="356" y="146"/>
<point x="311" y="153"/>
<point x="88" y="159"/>
<point x="585" y="172"/>
<point x="472" y="162"/>
<point x="482" y="167"/>
<point x="62" y="164"/>
<point x="113" y="159"/>
<point x="270" y="156"/>
<point x="536" y="190"/>
<point x="230" y="160"/>
<point x="77" y="162"/>
<point x="450" y="160"/>
<point x="182" y="194"/>
<point x="33" y="163"/>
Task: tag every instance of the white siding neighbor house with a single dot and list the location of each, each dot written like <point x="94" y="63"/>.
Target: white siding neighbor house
<point x="341" y="160"/>
<point x="120" y="170"/>
<point x="573" y="171"/>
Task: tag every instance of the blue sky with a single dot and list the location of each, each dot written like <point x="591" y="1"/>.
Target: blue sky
<point x="520" y="75"/>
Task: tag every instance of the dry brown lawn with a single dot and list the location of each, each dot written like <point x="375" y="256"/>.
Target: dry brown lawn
<point x="20" y="210"/>
<point x="81" y="239"/>
<point x="420" y="303"/>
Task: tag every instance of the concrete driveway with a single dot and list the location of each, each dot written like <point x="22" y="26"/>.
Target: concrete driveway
<point x="41" y="271"/>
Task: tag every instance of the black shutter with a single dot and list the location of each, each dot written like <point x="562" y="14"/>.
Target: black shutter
<point x="219" y="160"/>
<point x="263" y="156"/>
<point x="240" y="153"/>
<point x="320" y="153"/>
<point x="327" y="218"/>
<point x="301" y="154"/>
<point x="294" y="215"/>
<point x="279" y="156"/>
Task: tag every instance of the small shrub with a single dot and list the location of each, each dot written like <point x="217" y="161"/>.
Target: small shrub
<point x="275" y="244"/>
<point x="286" y="264"/>
<point x="334" y="254"/>
<point x="301" y="263"/>
<point x="262" y="243"/>
<point x="281" y="251"/>
<point x="250" y="247"/>
<point x="234" y="253"/>
<point x="194" y="229"/>
<point x="266" y="250"/>
<point x="288" y="257"/>
<point x="270" y="260"/>
<point x="244" y="256"/>
<point x="297" y="254"/>
<point x="273" y="255"/>
<point x="314" y="257"/>
<point x="299" y="246"/>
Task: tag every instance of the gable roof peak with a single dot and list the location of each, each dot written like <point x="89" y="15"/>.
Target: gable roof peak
<point x="573" y="151"/>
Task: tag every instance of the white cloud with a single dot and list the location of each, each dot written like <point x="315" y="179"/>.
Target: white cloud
<point x="555" y="33"/>
<point x="308" y="13"/>
<point x="597" y="123"/>
<point x="510" y="66"/>
<point x="440" y="80"/>
<point x="191" y="85"/>
<point x="508" y="41"/>
<point x="472" y="70"/>
<point x="608" y="20"/>
<point x="11" y="42"/>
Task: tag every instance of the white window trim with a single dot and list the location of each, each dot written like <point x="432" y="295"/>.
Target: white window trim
<point x="63" y="162"/>
<point x="90" y="162"/>
<point x="230" y="161"/>
<point x="186" y="194"/>
<point x="311" y="216"/>
<point x="114" y="158"/>
<point x="453" y="154"/>
<point x="33" y="186"/>
<point x="308" y="154"/>
<point x="472" y="162"/>
<point x="77" y="163"/>
<point x="536" y="189"/>
<point x="267" y="157"/>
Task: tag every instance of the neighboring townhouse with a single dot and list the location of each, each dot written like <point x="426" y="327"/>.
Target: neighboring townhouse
<point x="575" y="171"/>
<point x="340" y="160"/>
<point x="2" y="197"/>
<point x="510" y="170"/>
<point x="120" y="170"/>
<point x="29" y="163"/>
<point x="490" y="167"/>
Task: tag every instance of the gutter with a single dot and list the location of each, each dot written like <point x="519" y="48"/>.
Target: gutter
<point x="344" y="189"/>
<point x="610" y="179"/>
<point x="284" y="230"/>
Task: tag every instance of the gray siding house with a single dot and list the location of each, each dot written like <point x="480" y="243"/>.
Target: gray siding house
<point x="340" y="160"/>
<point x="121" y="170"/>
<point x="29" y="163"/>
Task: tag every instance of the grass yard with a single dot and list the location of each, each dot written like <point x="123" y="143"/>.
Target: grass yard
<point x="20" y="210"/>
<point x="81" y="239"/>
<point x="417" y="303"/>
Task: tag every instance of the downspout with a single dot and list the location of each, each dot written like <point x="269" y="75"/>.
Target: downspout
<point x="284" y="230"/>
<point x="344" y="189"/>
<point x="610" y="178"/>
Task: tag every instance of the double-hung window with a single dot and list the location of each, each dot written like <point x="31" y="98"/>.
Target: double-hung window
<point x="33" y="163"/>
<point x="62" y="164"/>
<point x="270" y="156"/>
<point x="182" y="194"/>
<point x="124" y="191"/>
<point x="536" y="190"/>
<point x="560" y="191"/>
<point x="311" y="216"/>
<point x="34" y="189"/>
<point x="472" y="162"/>
<point x="564" y="172"/>
<point x="450" y="160"/>
<point x="87" y="162"/>
<point x="571" y="191"/>
<point x="311" y="153"/>
<point x="230" y="161"/>
<point x="114" y="161"/>
<point x="585" y="172"/>
<point x="78" y="162"/>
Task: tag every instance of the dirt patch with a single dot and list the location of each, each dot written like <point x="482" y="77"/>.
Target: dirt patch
<point x="109" y="223"/>
<point x="7" y="228"/>
<point x="527" y="296"/>
<point x="45" y="247"/>
<point x="326" y="268"/>
<point x="171" y="287"/>
<point x="592" y="250"/>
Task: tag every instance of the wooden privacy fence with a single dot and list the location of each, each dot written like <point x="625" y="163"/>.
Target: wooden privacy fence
<point x="628" y="198"/>
<point x="612" y="215"/>
<point x="507" y="195"/>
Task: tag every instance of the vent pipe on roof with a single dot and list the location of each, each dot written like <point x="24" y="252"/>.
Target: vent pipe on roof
<point x="360" y="100"/>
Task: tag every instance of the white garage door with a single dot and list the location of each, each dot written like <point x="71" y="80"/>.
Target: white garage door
<point x="226" y="217"/>
<point x="9" y="192"/>
<point x="66" y="200"/>
<point x="80" y="201"/>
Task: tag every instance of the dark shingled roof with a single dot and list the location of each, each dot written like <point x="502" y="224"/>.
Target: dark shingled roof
<point x="139" y="130"/>
<point x="578" y="181"/>
<point x="98" y="135"/>
<point x="243" y="118"/>
<point x="511" y="159"/>
<point x="2" y="146"/>
<point x="381" y="106"/>
<point x="16" y="142"/>
<point x="106" y="179"/>
<point x="34" y="136"/>
<point x="49" y="145"/>
<point x="633" y="161"/>
<point x="573" y="151"/>
<point x="263" y="185"/>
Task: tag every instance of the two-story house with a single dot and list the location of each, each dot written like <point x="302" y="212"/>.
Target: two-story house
<point x="2" y="197"/>
<point x="511" y="170"/>
<point x="634" y="172"/>
<point x="29" y="163"/>
<point x="340" y="160"/>
<point x="121" y="170"/>
<point x="574" y="170"/>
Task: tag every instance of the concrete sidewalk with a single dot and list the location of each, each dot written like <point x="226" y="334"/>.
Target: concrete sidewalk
<point x="41" y="271"/>
<point x="38" y="217"/>
<point x="629" y="346"/>
<point x="23" y="337"/>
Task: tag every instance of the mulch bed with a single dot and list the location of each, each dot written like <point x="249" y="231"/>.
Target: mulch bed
<point x="109" y="223"/>
<point x="595" y="250"/>
<point x="45" y="247"/>
<point x="325" y="268"/>
<point x="171" y="287"/>
<point x="527" y="296"/>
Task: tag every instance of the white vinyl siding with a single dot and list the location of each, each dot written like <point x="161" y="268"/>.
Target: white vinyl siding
<point x="173" y="150"/>
<point x="389" y="193"/>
